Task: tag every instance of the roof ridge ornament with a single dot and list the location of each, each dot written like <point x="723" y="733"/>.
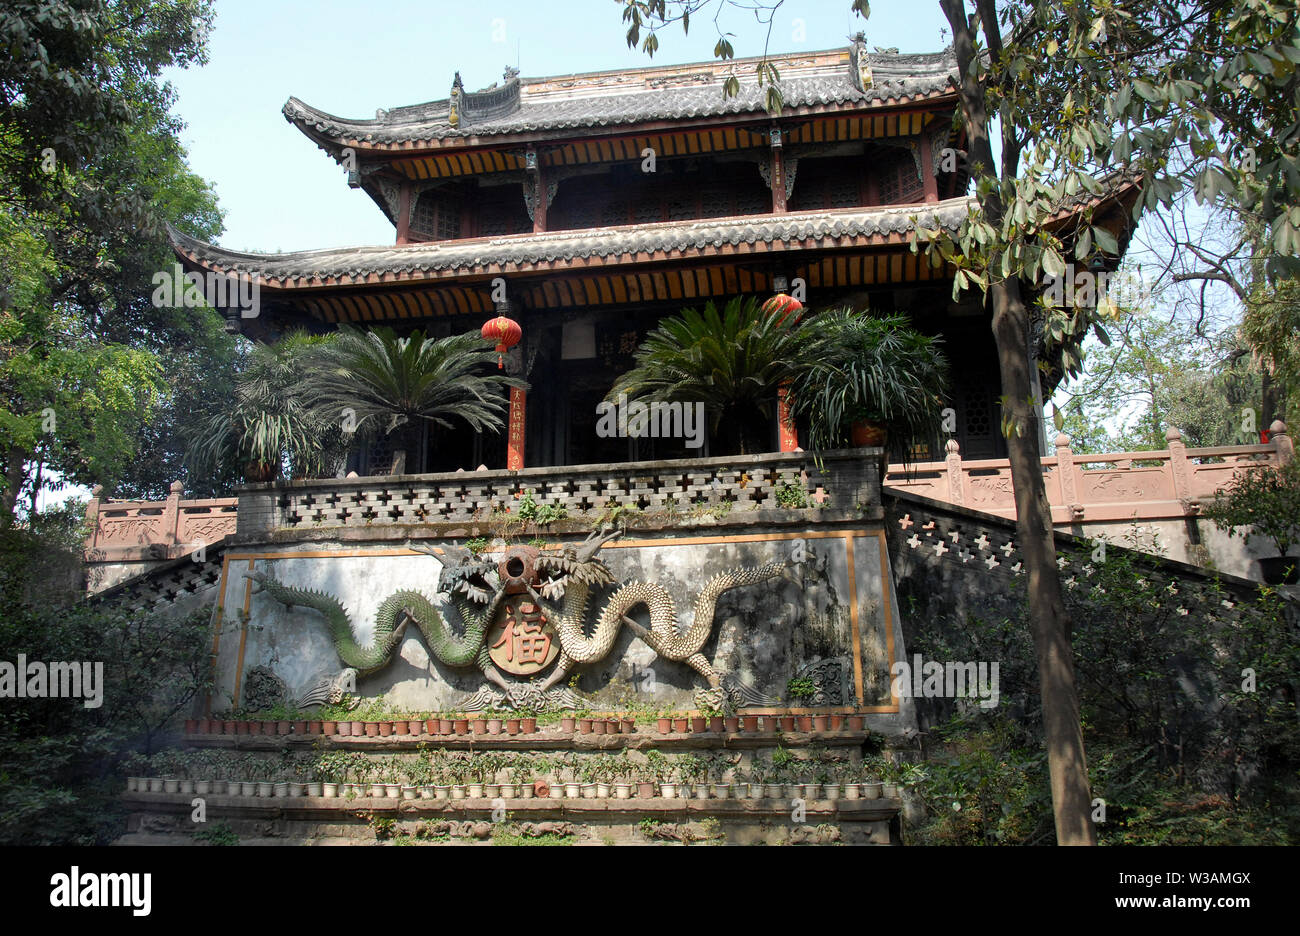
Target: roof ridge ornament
<point x="860" y="62"/>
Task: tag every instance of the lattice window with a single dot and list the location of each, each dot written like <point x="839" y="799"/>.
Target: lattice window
<point x="844" y="193"/>
<point x="436" y="217"/>
<point x="715" y="203"/>
<point x="647" y="212"/>
<point x="681" y="209"/>
<point x="612" y="213"/>
<point x="900" y="183"/>
<point x="751" y="201"/>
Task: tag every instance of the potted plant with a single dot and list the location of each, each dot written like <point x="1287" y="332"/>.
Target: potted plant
<point x="1264" y="502"/>
<point x="868" y="377"/>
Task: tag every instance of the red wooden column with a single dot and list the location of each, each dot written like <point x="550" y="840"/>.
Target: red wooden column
<point x="515" y="438"/>
<point x="539" y="205"/>
<point x="778" y="171"/>
<point x="404" y="214"/>
<point x="786" y="433"/>
<point x="929" y="181"/>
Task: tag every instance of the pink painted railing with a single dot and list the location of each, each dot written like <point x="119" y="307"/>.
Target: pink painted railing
<point x="127" y="531"/>
<point x="1117" y="486"/>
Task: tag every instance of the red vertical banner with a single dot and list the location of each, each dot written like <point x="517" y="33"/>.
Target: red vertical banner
<point x="785" y="422"/>
<point x="515" y="438"/>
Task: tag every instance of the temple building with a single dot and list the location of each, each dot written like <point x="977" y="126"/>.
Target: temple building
<point x="589" y="206"/>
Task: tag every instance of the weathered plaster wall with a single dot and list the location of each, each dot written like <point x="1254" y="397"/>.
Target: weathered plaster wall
<point x="832" y="617"/>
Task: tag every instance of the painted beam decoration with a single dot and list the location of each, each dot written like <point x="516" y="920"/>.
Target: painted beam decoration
<point x="776" y="619"/>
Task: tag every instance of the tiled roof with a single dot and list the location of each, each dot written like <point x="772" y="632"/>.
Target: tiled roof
<point x="605" y="99"/>
<point x="609" y="243"/>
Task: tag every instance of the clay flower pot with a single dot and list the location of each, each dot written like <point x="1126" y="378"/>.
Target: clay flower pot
<point x="699" y="723"/>
<point x="344" y="729"/>
<point x="836" y="722"/>
<point x="315" y="727"/>
<point x="645" y="789"/>
<point x="731" y="723"/>
<point x="680" y="725"/>
<point x="820" y="722"/>
<point x="629" y="724"/>
<point x="359" y="729"/>
<point x="856" y="722"/>
<point x="541" y="789"/>
<point x="567" y="724"/>
<point x="866" y="433"/>
<point x="528" y="725"/>
<point x="479" y="726"/>
<point x="229" y="727"/>
<point x="300" y="727"/>
<point x="385" y="728"/>
<point x="283" y="727"/>
<point x="805" y="722"/>
<point x="598" y="725"/>
<point x="250" y="728"/>
<point x="434" y="726"/>
<point x="191" y="726"/>
<point x="584" y="726"/>
<point x="402" y="727"/>
<point x="665" y="725"/>
<point x="749" y="723"/>
<point x="370" y="728"/>
<point x="461" y="726"/>
<point x="512" y="726"/>
<point x="270" y="727"/>
<point x="494" y="726"/>
<point x="329" y="727"/>
<point x="414" y="726"/>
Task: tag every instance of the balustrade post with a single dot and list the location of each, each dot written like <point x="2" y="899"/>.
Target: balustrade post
<point x="92" y="515"/>
<point x="1068" y="480"/>
<point x="1178" y="468"/>
<point x="956" y="477"/>
<point x="170" y="527"/>
<point x="1281" y="442"/>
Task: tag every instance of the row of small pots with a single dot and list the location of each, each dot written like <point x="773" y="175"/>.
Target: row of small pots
<point x="370" y="729"/>
<point x="751" y="723"/>
<point x="540" y="789"/>
<point x="515" y="726"/>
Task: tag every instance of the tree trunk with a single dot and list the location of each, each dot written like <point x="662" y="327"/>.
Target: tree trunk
<point x="1071" y="800"/>
<point x="1066" y="763"/>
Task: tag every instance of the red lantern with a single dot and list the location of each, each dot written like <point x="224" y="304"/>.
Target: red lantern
<point x="504" y="333"/>
<point x="784" y="305"/>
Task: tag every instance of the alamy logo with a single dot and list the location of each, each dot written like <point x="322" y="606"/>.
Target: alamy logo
<point x="950" y="680"/>
<point x="651" y="421"/>
<point x="176" y="289"/>
<point x="75" y="889"/>
<point x="38" y="680"/>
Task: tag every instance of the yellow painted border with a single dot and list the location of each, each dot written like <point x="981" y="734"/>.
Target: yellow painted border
<point x="847" y="536"/>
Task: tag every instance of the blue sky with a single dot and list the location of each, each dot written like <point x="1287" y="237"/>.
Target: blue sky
<point x="280" y="192"/>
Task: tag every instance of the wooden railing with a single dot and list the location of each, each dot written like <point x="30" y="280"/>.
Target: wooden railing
<point x="1116" y="486"/>
<point x="134" y="531"/>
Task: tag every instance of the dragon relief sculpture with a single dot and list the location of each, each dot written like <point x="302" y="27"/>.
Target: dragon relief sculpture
<point x="559" y="583"/>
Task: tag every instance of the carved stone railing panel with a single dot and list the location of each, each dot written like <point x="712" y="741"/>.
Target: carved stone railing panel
<point x="1165" y="484"/>
<point x="132" y="531"/>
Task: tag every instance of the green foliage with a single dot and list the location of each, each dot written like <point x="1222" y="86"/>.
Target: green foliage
<point x="269" y="424"/>
<point x="58" y="759"/>
<point x="800" y="688"/>
<point x="1261" y="502"/>
<point x="1180" y="747"/>
<point x="733" y="360"/>
<point x="477" y="545"/>
<point x="218" y="833"/>
<point x="543" y="515"/>
<point x="873" y="368"/>
<point x="387" y="383"/>
<point x="791" y="496"/>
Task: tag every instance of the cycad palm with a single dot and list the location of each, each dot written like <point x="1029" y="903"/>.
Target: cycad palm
<point x="733" y="360"/>
<point x="385" y="383"/>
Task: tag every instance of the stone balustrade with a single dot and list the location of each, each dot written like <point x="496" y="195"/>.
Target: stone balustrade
<point x="661" y="492"/>
<point x="139" y="531"/>
<point x="1117" y="486"/>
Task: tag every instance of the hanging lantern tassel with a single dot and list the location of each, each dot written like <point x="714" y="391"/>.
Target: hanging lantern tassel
<point x="504" y="333"/>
